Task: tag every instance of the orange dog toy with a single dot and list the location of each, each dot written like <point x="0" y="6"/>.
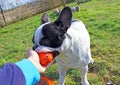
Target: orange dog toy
<point x="45" y="81"/>
<point x="46" y="58"/>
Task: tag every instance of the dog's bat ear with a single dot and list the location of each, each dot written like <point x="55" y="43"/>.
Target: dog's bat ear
<point x="65" y="18"/>
<point x="45" y="18"/>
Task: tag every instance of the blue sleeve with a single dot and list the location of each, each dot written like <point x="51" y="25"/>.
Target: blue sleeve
<point x="31" y="73"/>
<point x="11" y="74"/>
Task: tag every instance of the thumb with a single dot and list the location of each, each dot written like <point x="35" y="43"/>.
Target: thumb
<point x="32" y="53"/>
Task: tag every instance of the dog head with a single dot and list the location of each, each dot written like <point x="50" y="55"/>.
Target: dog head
<point x="51" y="35"/>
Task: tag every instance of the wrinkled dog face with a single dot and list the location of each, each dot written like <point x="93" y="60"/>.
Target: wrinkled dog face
<point x="52" y="34"/>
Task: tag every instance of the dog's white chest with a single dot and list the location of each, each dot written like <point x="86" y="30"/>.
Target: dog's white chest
<point x="79" y="50"/>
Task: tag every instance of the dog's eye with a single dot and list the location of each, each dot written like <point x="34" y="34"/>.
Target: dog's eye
<point x="44" y="42"/>
<point x="61" y="37"/>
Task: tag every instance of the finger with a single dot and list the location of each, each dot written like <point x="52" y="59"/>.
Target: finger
<point x="29" y="53"/>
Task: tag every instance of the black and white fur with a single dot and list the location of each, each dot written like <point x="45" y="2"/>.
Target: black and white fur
<point x="67" y="36"/>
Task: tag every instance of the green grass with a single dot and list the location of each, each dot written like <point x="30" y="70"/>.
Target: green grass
<point x="102" y="19"/>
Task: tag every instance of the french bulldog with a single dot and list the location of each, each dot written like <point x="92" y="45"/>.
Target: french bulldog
<point x="68" y="37"/>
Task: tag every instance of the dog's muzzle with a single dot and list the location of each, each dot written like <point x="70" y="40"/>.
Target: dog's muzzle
<point x="46" y="49"/>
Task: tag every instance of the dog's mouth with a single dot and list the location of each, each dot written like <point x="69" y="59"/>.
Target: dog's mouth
<point x="56" y="53"/>
<point x="47" y="49"/>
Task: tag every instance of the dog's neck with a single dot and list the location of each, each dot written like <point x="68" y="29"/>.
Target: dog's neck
<point x="67" y="43"/>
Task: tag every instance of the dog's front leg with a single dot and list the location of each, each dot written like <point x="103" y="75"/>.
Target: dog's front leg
<point x="84" y="70"/>
<point x="62" y="73"/>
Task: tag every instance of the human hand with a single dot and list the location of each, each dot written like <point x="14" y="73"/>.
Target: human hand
<point x="34" y="58"/>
